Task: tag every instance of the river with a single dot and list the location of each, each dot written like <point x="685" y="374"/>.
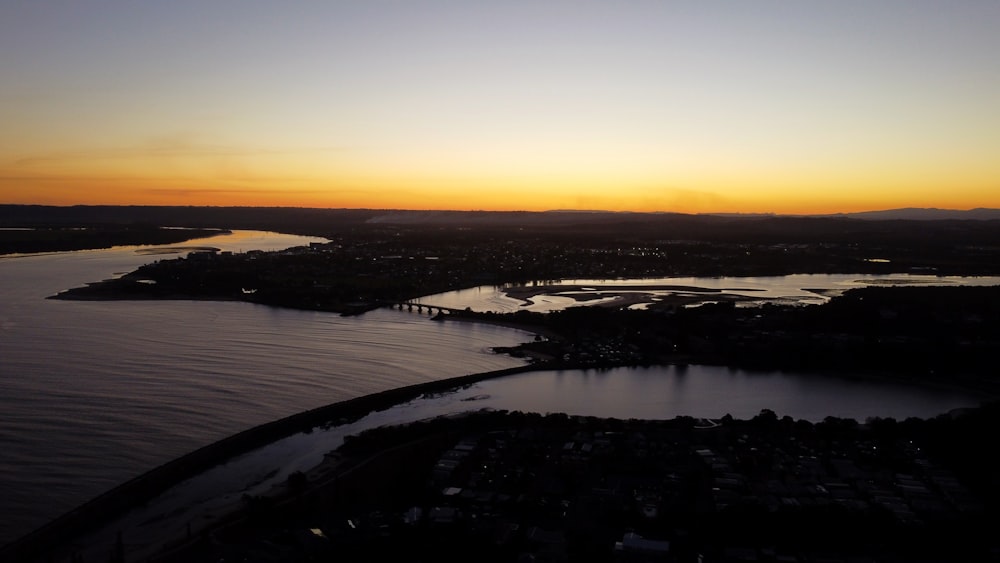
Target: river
<point x="98" y="392"/>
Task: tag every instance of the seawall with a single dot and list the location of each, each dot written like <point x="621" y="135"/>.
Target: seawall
<point x="61" y="532"/>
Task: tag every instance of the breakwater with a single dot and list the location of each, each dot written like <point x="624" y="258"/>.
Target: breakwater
<point x="58" y="536"/>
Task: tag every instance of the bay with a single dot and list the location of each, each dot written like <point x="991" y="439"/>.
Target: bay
<point x="95" y="393"/>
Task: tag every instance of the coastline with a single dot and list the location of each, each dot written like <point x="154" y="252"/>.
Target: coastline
<point x="534" y="329"/>
<point x="191" y="464"/>
<point x="978" y="385"/>
<point x="80" y="294"/>
<point x="60" y="533"/>
<point x="989" y="390"/>
<point x="52" y="240"/>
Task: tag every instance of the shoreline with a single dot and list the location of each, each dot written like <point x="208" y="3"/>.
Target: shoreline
<point x="970" y="384"/>
<point x="967" y="384"/>
<point x="64" y="529"/>
<point x="116" y="502"/>
<point x="147" y="486"/>
<point x="63" y="239"/>
<point x="514" y="325"/>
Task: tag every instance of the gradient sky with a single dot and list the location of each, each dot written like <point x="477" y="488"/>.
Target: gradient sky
<point x="701" y="106"/>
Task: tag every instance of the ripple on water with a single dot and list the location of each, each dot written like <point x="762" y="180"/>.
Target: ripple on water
<point x="98" y="392"/>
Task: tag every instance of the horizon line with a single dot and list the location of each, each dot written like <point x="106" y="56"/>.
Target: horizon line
<point x="481" y="210"/>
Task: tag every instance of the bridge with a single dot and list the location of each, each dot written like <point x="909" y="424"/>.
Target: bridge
<point x="410" y="306"/>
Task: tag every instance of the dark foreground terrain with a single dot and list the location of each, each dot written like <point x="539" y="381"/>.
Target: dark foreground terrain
<point x="524" y="487"/>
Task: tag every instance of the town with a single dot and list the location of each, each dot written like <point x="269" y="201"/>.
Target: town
<point x="498" y="486"/>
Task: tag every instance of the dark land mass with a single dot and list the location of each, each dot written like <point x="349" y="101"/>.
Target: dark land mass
<point x="974" y="227"/>
<point x="57" y="539"/>
<point x="302" y="221"/>
<point x="367" y="264"/>
<point x="496" y="486"/>
<point x="917" y="213"/>
<point x="942" y="335"/>
<point x="60" y="239"/>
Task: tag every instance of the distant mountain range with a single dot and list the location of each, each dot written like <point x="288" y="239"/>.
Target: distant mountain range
<point x="289" y="219"/>
<point x="903" y="214"/>
<point x="572" y="215"/>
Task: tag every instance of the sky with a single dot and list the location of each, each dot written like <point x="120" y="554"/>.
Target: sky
<point x="695" y="106"/>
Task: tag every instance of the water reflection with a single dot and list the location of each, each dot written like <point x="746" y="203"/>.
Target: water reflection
<point x="95" y="393"/>
<point x="709" y="391"/>
<point x="800" y="289"/>
<point x="664" y="392"/>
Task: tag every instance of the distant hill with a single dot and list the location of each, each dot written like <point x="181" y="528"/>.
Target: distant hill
<point x="926" y="214"/>
<point x="568" y="216"/>
<point x="293" y="220"/>
<point x="914" y="227"/>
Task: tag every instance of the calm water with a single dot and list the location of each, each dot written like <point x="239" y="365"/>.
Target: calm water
<point x="95" y="393"/>
<point x="650" y="393"/>
<point x="98" y="392"/>
<point x="800" y="289"/>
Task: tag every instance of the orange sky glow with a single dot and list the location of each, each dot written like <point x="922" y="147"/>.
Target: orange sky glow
<point x="677" y="106"/>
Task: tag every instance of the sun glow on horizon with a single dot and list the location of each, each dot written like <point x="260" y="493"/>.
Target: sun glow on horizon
<point x="675" y="107"/>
